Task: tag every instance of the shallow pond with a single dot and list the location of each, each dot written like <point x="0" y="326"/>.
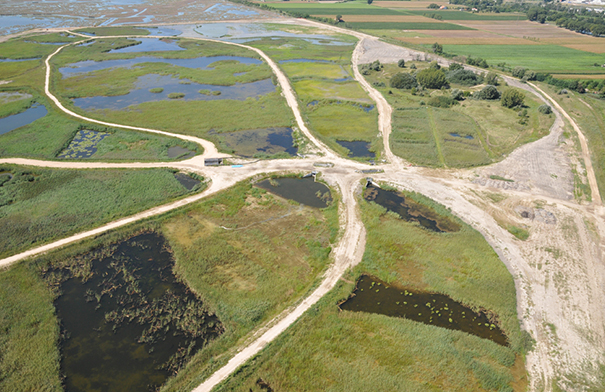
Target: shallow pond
<point x="462" y="136"/>
<point x="129" y="324"/>
<point x="10" y="24"/>
<point x="357" y="148"/>
<point x="185" y="180"/>
<point x="198" y="62"/>
<point x="83" y="145"/>
<point x="302" y="190"/>
<point x="35" y="112"/>
<point x="409" y="210"/>
<point x="268" y="141"/>
<point x="163" y="31"/>
<point x="170" y="84"/>
<point x="150" y="45"/>
<point x="372" y="295"/>
<point x="180" y="152"/>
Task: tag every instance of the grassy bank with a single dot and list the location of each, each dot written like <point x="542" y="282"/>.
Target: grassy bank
<point x="246" y="276"/>
<point x="471" y="132"/>
<point x="40" y="205"/>
<point x="334" y="350"/>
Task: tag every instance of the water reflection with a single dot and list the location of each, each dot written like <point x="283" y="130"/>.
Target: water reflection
<point x="302" y="190"/>
<point x="15" y="121"/>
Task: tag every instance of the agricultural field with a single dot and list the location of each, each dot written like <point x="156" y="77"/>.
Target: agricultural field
<point x="40" y="205"/>
<point x="330" y="349"/>
<point x="470" y="132"/>
<point x="243" y="276"/>
<point x="336" y="107"/>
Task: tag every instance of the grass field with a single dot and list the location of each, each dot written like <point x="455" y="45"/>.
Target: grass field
<point x="122" y="30"/>
<point x="485" y="130"/>
<point x="461" y="15"/>
<point x="348" y="8"/>
<point x="40" y="205"/>
<point x="407" y="26"/>
<point x="46" y="137"/>
<point x="334" y="350"/>
<point x="246" y="276"/>
<point x="540" y="58"/>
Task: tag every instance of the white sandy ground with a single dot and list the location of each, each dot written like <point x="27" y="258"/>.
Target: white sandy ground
<point x="559" y="272"/>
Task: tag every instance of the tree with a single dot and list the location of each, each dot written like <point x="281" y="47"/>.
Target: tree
<point x="463" y="76"/>
<point x="401" y="63"/>
<point x="370" y="1"/>
<point x="512" y="97"/>
<point x="403" y="81"/>
<point x="518" y="72"/>
<point x="491" y="78"/>
<point x="458" y="95"/>
<point x="432" y="78"/>
<point x="434" y="65"/>
<point x="488" y="92"/>
<point x="433" y="6"/>
<point x="455" y="66"/>
<point x="437" y="48"/>
<point x="338" y="18"/>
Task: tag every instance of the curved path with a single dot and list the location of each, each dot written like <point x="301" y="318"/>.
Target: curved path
<point x="346" y="176"/>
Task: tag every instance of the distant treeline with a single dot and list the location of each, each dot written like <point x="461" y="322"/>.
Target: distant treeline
<point x="577" y="19"/>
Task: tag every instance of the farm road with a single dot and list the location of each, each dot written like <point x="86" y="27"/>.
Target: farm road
<point x="579" y="342"/>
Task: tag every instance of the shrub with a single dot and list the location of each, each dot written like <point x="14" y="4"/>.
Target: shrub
<point x="457" y="94"/>
<point x="432" y="78"/>
<point x="545" y="109"/>
<point x="464" y="77"/>
<point x="491" y="78"/>
<point x="442" y="102"/>
<point x="379" y="84"/>
<point x="434" y="65"/>
<point x="529" y="75"/>
<point x="456" y="66"/>
<point x="413" y="66"/>
<point x="478" y="62"/>
<point x="512" y="97"/>
<point x="488" y="92"/>
<point x="401" y="63"/>
<point x="403" y="81"/>
<point x="518" y="72"/>
<point x="437" y="48"/>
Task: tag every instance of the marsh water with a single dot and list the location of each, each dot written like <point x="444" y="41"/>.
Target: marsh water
<point x="305" y="191"/>
<point x="371" y="295"/>
<point x="18" y="120"/>
<point x="357" y="148"/>
<point x="187" y="181"/>
<point x="409" y="210"/>
<point x="251" y="143"/>
<point x="83" y="145"/>
<point x="171" y="84"/>
<point x="150" y="45"/>
<point x="126" y="322"/>
<point x="197" y="62"/>
<point x="454" y="134"/>
<point x="180" y="152"/>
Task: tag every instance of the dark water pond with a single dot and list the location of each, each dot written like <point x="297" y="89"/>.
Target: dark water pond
<point x="198" y="62"/>
<point x="18" y="120"/>
<point x="83" y="145"/>
<point x="463" y="136"/>
<point x="409" y="210"/>
<point x="171" y="84"/>
<point x="375" y="296"/>
<point x="18" y="60"/>
<point x="302" y="190"/>
<point x="150" y="45"/>
<point x="250" y="143"/>
<point x="129" y="324"/>
<point x="180" y="152"/>
<point x="357" y="148"/>
<point x="186" y="181"/>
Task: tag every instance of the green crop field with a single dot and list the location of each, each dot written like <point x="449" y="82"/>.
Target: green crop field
<point x="540" y="58"/>
<point x="461" y="15"/>
<point x="334" y="350"/>
<point x="407" y="26"/>
<point x="40" y="205"/>
<point x="352" y="8"/>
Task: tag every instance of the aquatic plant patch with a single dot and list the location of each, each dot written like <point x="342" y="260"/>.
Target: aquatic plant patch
<point x="83" y="145"/>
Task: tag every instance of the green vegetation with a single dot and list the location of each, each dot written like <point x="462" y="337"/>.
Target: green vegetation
<point x="461" y="15"/>
<point x="246" y="276"/>
<point x="156" y="90"/>
<point x="512" y="97"/>
<point x="540" y="58"/>
<point x="176" y="95"/>
<point x="406" y="26"/>
<point x="431" y="78"/>
<point x="518" y="232"/>
<point x="348" y="8"/>
<point x="343" y="351"/>
<point x="122" y="30"/>
<point x="473" y="132"/>
<point x="40" y="205"/>
<point x="500" y="178"/>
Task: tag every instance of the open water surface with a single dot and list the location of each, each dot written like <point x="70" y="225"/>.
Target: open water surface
<point x="372" y="295"/>
<point x="302" y="190"/>
<point x="18" y="120"/>
<point x="150" y="45"/>
<point x="83" y="145"/>
<point x="268" y="141"/>
<point x="357" y="148"/>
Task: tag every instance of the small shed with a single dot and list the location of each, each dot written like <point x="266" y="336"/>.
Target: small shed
<point x="213" y="161"/>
